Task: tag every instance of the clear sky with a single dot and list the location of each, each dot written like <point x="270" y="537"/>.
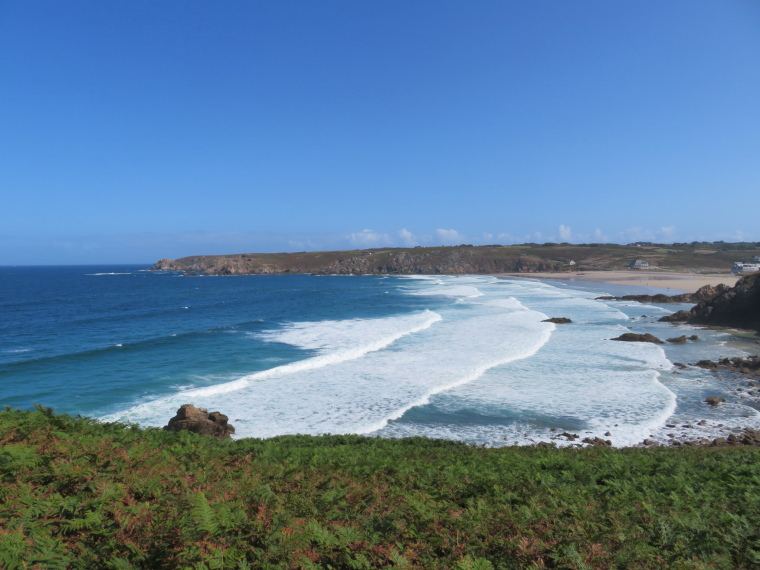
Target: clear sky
<point x="136" y="130"/>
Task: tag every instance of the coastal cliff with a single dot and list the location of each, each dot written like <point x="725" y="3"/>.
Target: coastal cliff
<point x="738" y="306"/>
<point x="460" y="259"/>
<point x="416" y="261"/>
<point x="722" y="306"/>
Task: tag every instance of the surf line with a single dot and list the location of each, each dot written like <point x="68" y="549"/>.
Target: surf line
<point x="308" y="364"/>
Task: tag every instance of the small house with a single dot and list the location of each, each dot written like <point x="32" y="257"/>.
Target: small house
<point x="740" y="267"/>
<point x="638" y="264"/>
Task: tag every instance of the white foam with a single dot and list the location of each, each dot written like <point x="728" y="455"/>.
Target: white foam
<point x="451" y="291"/>
<point x="580" y="378"/>
<point x="350" y="340"/>
<point x="487" y="355"/>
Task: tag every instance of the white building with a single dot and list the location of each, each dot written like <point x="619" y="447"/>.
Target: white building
<point x="740" y="267"/>
<point x="638" y="264"/>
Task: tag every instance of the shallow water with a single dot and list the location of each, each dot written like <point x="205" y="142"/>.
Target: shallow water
<point x="461" y="357"/>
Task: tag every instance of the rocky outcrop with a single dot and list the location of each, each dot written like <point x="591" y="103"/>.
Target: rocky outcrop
<point x="682" y="339"/>
<point x="749" y="366"/>
<point x="715" y="400"/>
<point x="199" y="420"/>
<point x="216" y="265"/>
<point x="737" y="307"/>
<point x="163" y="265"/>
<point x="702" y="294"/>
<point x="597" y="442"/>
<point x="558" y="320"/>
<point x="677" y="317"/>
<point x="634" y="337"/>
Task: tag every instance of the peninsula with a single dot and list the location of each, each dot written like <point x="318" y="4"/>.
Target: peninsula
<point x="695" y="257"/>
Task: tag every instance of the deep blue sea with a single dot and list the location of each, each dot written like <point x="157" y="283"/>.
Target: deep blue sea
<point x="459" y="357"/>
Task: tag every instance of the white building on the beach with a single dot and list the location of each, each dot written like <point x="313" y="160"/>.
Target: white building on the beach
<point x="638" y="264"/>
<point x="740" y="267"/>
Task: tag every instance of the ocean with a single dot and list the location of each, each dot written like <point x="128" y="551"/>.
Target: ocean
<point x="457" y="357"/>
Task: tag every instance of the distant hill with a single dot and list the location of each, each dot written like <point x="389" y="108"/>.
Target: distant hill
<point x="467" y="259"/>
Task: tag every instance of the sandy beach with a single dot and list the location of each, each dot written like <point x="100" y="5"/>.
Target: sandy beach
<point x="677" y="282"/>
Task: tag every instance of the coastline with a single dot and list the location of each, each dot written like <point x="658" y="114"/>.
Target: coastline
<point x="676" y="281"/>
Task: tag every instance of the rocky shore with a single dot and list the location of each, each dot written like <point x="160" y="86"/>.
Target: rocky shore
<point x="703" y="294"/>
<point x="733" y="307"/>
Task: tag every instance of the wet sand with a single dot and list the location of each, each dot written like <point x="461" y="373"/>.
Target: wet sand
<point x="678" y="282"/>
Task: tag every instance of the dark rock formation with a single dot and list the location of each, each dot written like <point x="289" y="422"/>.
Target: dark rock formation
<point x="678" y="316"/>
<point x="682" y="339"/>
<point x="714" y="400"/>
<point x="634" y="337"/>
<point x="597" y="442"/>
<point x="703" y="294"/>
<point x="558" y="320"/>
<point x="738" y="306"/>
<point x="199" y="420"/>
<point x="749" y="366"/>
<point x="745" y="436"/>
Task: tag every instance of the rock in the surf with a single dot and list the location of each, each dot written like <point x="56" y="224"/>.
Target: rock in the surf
<point x="558" y="320"/>
<point x="678" y="339"/>
<point x="199" y="420"/>
<point x="633" y="337"/>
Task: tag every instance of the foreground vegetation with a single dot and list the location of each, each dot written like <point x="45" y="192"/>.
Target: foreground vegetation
<point x="77" y="493"/>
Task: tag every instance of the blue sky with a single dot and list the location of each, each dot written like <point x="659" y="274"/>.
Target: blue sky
<point x="132" y="131"/>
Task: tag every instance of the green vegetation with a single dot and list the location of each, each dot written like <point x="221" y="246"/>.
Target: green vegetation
<point x="80" y="494"/>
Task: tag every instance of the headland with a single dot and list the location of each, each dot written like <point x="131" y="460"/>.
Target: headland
<point x="675" y="264"/>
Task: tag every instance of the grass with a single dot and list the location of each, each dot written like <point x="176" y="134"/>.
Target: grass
<point x="76" y="493"/>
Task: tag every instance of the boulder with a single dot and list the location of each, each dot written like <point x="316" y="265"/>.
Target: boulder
<point x="597" y="442"/>
<point x="199" y="420"/>
<point x="678" y="340"/>
<point x="714" y="400"/>
<point x="634" y="337"/>
<point x="558" y="320"/>
<point x="677" y="317"/>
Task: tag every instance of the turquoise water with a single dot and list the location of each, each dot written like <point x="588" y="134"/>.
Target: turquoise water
<point x="461" y="357"/>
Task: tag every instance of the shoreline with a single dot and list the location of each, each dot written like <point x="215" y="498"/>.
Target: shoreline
<point x="673" y="280"/>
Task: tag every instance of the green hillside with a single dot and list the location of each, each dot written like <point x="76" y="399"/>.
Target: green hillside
<point x="79" y="494"/>
<point x="697" y="256"/>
